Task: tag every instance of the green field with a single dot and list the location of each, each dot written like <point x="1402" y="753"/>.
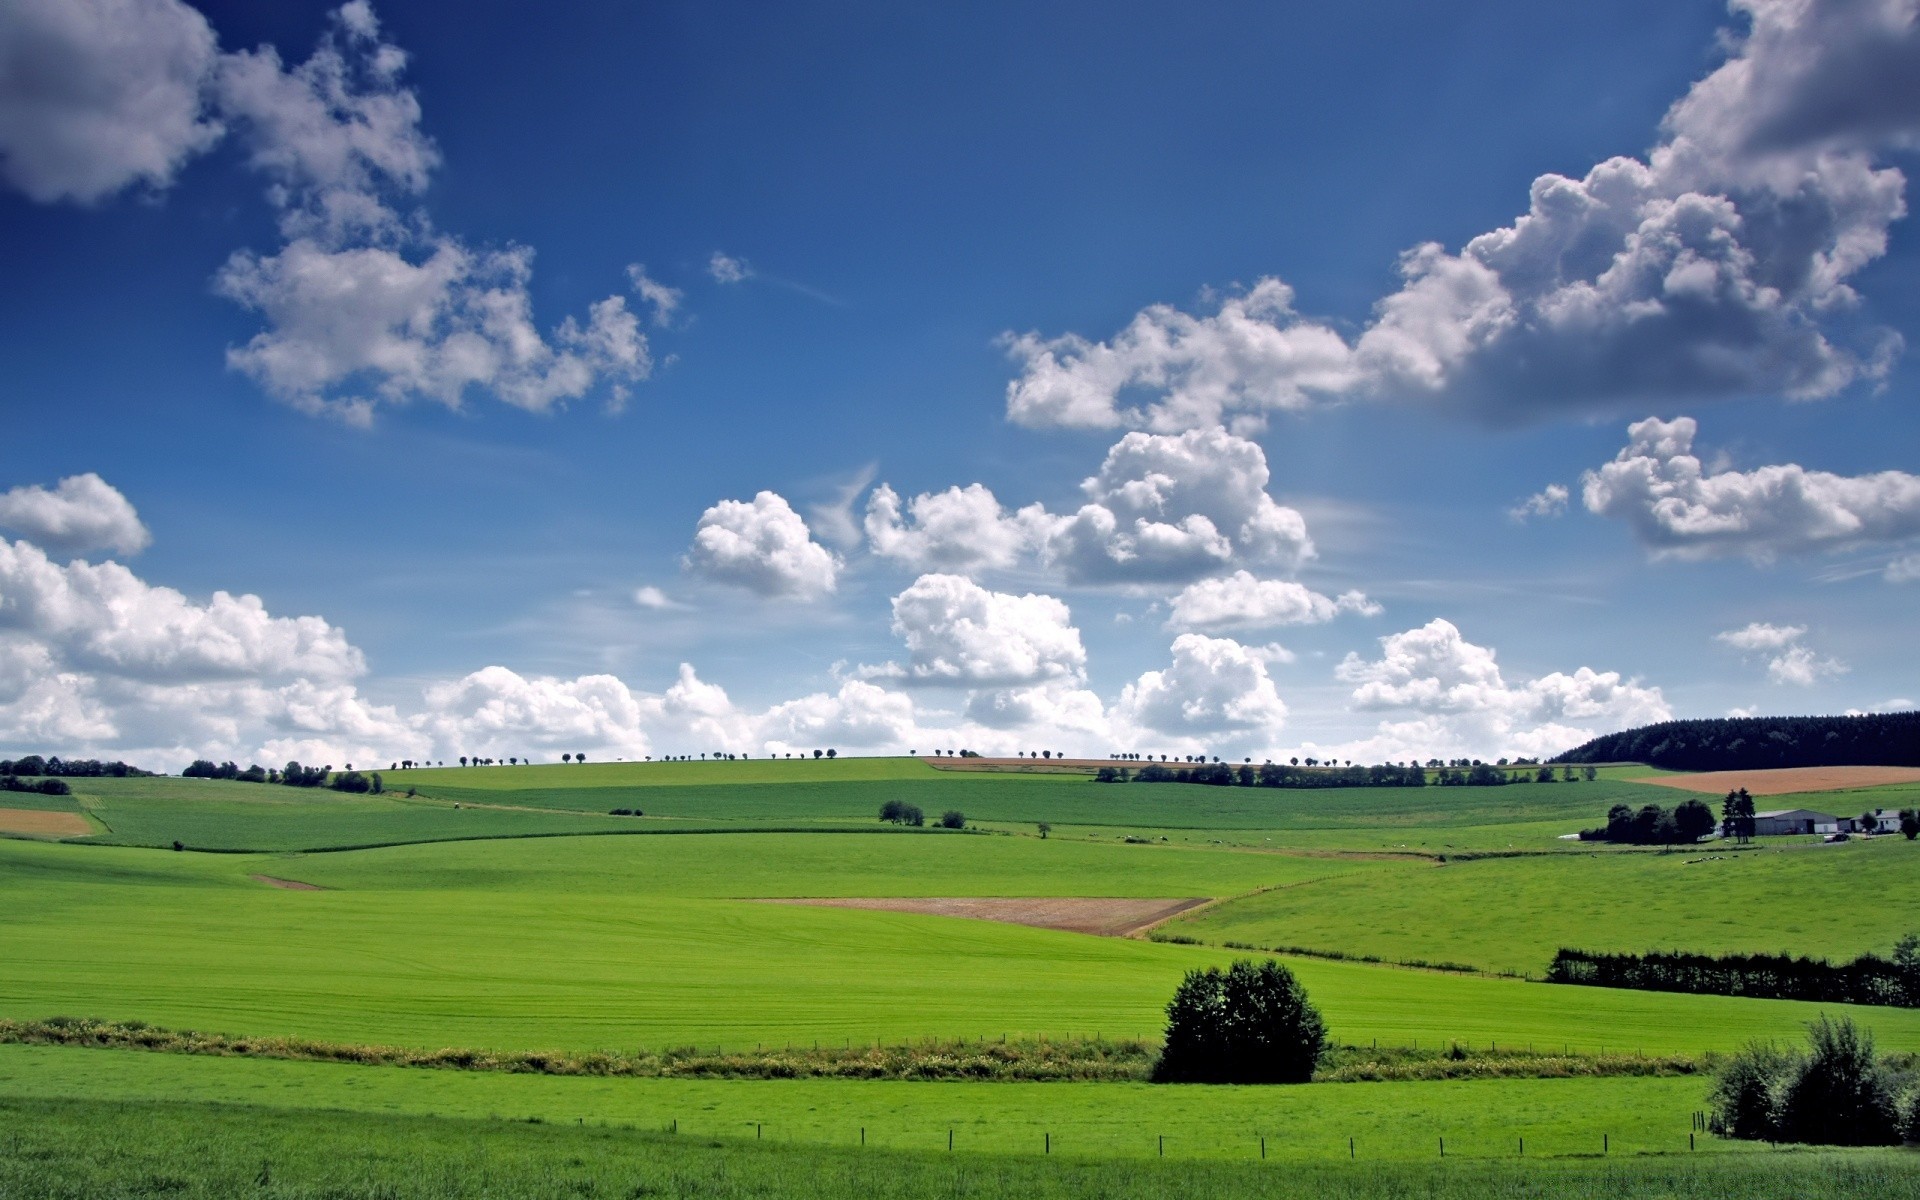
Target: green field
<point x="1511" y="914"/>
<point x="80" y="1150"/>
<point x="514" y="922"/>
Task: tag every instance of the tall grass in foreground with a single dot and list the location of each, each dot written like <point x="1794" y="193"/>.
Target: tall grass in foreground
<point x="69" y="1150"/>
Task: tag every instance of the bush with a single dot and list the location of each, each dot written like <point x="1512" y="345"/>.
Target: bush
<point x="1837" y="1094"/>
<point x="953" y="818"/>
<point x="1251" y="1023"/>
<point x="899" y="812"/>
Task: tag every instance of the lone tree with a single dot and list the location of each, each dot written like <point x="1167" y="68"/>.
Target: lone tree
<point x="1251" y="1023"/>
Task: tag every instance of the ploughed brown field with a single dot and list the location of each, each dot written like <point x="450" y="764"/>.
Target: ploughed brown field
<point x="36" y="821"/>
<point x="1109" y="917"/>
<point x="1787" y="781"/>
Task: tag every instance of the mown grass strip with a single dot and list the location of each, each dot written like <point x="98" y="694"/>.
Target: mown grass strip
<point x="1079" y="1060"/>
<point x="79" y="1150"/>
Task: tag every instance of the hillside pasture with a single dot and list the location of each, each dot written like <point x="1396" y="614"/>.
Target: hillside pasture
<point x="1787" y="781"/>
<point x="223" y="814"/>
<point x="584" y="943"/>
<point x="1512" y="914"/>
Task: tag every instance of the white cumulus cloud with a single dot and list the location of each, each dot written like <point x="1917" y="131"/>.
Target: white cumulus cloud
<point x="1461" y="702"/>
<point x="762" y="545"/>
<point x="100" y="95"/>
<point x="959" y="633"/>
<point x="1242" y="601"/>
<point x="83" y="513"/>
<point x="1679" y="508"/>
<point x="1215" y="688"/>
<point x="1717" y="265"/>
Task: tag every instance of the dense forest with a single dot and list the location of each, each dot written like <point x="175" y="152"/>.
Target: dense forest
<point x="1868" y="979"/>
<point x="1754" y="743"/>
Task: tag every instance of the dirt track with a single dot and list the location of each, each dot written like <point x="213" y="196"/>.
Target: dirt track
<point x="291" y="885"/>
<point x="1787" y="781"/>
<point x="1077" y="914"/>
<point x="40" y="821"/>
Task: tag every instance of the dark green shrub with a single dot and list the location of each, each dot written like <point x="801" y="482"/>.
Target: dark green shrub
<point x="953" y="818"/>
<point x="1744" y="1100"/>
<point x="1841" y="1095"/>
<point x="1251" y="1023"/>
<point x="1838" y="1093"/>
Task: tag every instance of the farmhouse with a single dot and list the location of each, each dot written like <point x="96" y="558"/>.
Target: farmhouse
<point x="1878" y="821"/>
<point x="1794" y="820"/>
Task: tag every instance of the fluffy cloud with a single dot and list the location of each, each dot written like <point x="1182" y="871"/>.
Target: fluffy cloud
<point x="1241" y="601"/>
<point x="368" y="318"/>
<point x="1463" y="703"/>
<point x="860" y="714"/>
<point x="1680" y="509"/>
<point x="363" y="303"/>
<point x="1550" y="501"/>
<point x="1215" y="689"/>
<point x="762" y="546"/>
<point x="1164" y="509"/>
<point x="1717" y="266"/>
<point x="1171" y="508"/>
<point x="1789" y="660"/>
<point x="1252" y="356"/>
<point x="100" y="95"/>
<point x="959" y="633"/>
<point x="960" y="529"/>
<point x="83" y="513"/>
<point x="104" y="618"/>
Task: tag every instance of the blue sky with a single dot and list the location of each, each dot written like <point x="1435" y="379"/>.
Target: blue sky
<point x="1379" y="382"/>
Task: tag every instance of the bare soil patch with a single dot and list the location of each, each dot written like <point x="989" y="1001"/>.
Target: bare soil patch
<point x="1106" y="916"/>
<point x="292" y="885"/>
<point x="1787" y="781"/>
<point x="40" y="821"/>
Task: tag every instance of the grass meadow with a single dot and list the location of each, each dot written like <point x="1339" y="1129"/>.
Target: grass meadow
<point x="513" y="922"/>
<point x="82" y="1149"/>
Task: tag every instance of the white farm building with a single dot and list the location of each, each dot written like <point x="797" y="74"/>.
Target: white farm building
<point x="1794" y="820"/>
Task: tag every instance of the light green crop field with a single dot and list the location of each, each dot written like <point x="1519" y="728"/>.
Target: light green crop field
<point x="220" y="814"/>
<point x="553" y="935"/>
<point x="1511" y="914"/>
<point x="583" y="943"/>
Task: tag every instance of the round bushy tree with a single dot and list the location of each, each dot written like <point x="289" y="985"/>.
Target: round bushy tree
<point x="1251" y="1023"/>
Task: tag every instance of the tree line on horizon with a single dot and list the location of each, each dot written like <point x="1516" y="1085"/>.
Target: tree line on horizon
<point x="1284" y="775"/>
<point x="1760" y="743"/>
<point x="72" y="768"/>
